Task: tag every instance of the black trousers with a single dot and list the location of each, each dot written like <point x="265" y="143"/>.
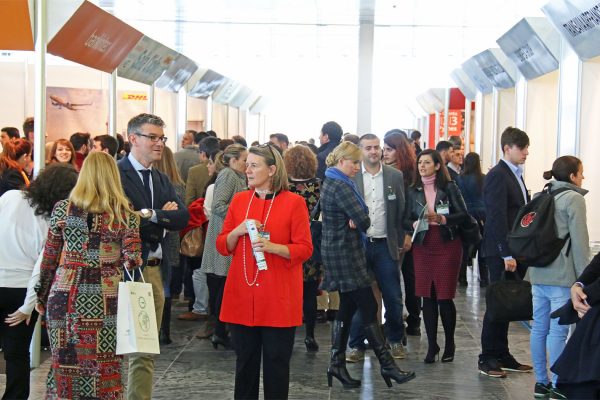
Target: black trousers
<point x="494" y="335"/>
<point x="412" y="302"/>
<point x="309" y="306"/>
<point x="216" y="286"/>
<point x="360" y="299"/>
<point x="580" y="391"/>
<point x="15" y="344"/>
<point x="275" y="346"/>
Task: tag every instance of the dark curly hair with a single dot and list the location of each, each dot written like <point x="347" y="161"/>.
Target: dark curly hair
<point x="300" y="162"/>
<point x="53" y="184"/>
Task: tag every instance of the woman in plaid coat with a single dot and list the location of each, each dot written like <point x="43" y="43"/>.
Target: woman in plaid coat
<point x="345" y="222"/>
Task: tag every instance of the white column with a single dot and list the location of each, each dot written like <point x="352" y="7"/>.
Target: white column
<point x="112" y="104"/>
<point x="365" y="67"/>
<point x="521" y="103"/>
<point x="569" y="101"/>
<point x="181" y="117"/>
<point x="151" y="99"/>
<point x="209" y="114"/>
<point x="446" y="110"/>
<point x="39" y="141"/>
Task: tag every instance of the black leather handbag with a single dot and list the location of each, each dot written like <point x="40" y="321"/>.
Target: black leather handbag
<point x="469" y="232"/>
<point x="509" y="299"/>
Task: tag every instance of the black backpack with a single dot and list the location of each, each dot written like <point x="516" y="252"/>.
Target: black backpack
<point x="533" y="239"/>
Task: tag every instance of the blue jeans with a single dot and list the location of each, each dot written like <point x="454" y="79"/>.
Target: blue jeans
<point x="387" y="274"/>
<point x="546" y="333"/>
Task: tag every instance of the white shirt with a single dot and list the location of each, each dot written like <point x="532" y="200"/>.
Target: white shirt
<point x="139" y="167"/>
<point x="374" y="197"/>
<point x="208" y="199"/>
<point x="455" y="168"/>
<point x="22" y="239"/>
<point x="517" y="170"/>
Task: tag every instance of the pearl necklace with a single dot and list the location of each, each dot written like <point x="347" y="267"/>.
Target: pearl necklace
<point x="244" y="239"/>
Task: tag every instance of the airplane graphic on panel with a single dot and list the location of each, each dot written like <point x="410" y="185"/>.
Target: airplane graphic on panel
<point x="60" y="103"/>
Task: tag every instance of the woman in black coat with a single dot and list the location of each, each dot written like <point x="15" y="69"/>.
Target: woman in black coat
<point x="578" y="367"/>
<point x="345" y="223"/>
<point x="434" y="202"/>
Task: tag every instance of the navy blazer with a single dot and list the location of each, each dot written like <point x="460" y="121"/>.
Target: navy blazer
<point x="150" y="232"/>
<point x="502" y="197"/>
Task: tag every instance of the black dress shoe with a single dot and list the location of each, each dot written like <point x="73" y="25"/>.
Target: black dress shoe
<point x="413" y="330"/>
<point x="220" y="341"/>
<point x="448" y="355"/>
<point x="311" y="344"/>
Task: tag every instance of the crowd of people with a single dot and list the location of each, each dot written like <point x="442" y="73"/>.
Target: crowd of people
<point x="283" y="234"/>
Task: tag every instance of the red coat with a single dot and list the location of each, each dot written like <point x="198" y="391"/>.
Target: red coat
<point x="276" y="298"/>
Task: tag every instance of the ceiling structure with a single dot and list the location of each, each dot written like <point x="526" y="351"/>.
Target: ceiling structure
<point x="301" y="51"/>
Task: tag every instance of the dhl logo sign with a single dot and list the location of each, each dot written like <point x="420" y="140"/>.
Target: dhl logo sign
<point x="134" y="96"/>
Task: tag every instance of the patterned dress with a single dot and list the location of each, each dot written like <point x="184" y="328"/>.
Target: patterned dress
<point x="80" y="272"/>
<point x="310" y="190"/>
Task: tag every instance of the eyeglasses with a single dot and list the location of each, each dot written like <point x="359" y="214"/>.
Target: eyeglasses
<point x="153" y="138"/>
<point x="262" y="146"/>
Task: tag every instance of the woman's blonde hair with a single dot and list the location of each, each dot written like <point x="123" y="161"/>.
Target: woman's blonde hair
<point x="99" y="190"/>
<point x="344" y="151"/>
<point x="167" y="166"/>
<point x="233" y="151"/>
<point x="272" y="157"/>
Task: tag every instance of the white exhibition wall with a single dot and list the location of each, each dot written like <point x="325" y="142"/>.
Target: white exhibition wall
<point x="590" y="142"/>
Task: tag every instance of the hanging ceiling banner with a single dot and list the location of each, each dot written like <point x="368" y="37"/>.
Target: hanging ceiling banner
<point x="473" y="71"/>
<point x="497" y="68"/>
<point x="241" y="98"/>
<point x="464" y="83"/>
<point x="533" y="45"/>
<point x="147" y="61"/>
<point x="224" y="94"/>
<point x="209" y="82"/>
<point x="16" y="31"/>
<point x="259" y="105"/>
<point x="178" y="73"/>
<point x="432" y="101"/>
<point x="578" y="22"/>
<point x="94" y="38"/>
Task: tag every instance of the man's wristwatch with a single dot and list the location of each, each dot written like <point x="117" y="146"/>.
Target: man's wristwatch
<point x="146" y="213"/>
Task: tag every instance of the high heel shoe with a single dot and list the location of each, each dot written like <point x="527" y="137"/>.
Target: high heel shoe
<point x="311" y="344"/>
<point x="433" y="353"/>
<point x="448" y="355"/>
<point x="389" y="369"/>
<point x="337" y="362"/>
<point x="217" y="340"/>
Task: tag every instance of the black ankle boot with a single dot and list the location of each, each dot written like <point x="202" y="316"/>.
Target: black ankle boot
<point x="389" y="369"/>
<point x="165" y="325"/>
<point x="337" y="364"/>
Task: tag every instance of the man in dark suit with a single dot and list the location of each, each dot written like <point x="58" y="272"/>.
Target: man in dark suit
<point x="331" y="134"/>
<point x="382" y="187"/>
<point x="504" y="192"/>
<point x="151" y="193"/>
<point x="446" y="150"/>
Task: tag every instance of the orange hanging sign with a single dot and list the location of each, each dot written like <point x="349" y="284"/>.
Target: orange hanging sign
<point x="15" y="29"/>
<point x="94" y="38"/>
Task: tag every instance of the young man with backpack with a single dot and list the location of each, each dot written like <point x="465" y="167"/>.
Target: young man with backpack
<point x="504" y="193"/>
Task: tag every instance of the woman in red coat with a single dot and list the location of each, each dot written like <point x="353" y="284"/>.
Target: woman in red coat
<point x="264" y="306"/>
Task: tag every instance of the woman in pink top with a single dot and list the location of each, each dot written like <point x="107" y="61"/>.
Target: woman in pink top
<point x="435" y="208"/>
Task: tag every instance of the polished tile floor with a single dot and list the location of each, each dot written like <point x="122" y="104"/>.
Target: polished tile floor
<point x="191" y="369"/>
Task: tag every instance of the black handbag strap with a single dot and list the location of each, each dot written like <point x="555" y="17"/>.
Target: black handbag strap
<point x="316" y="211"/>
<point x="510" y="276"/>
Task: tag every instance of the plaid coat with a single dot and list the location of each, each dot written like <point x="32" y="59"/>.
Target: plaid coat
<point x="342" y="249"/>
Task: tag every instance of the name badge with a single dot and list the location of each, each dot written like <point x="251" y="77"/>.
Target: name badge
<point x="443" y="209"/>
<point x="391" y="196"/>
<point x="265" y="235"/>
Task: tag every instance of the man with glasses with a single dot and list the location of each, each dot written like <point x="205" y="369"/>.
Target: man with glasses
<point x="152" y="194"/>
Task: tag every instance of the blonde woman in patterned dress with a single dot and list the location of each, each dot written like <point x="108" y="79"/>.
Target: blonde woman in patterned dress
<point x="92" y="236"/>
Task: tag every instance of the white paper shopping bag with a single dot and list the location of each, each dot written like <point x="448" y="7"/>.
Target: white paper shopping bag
<point x="137" y="332"/>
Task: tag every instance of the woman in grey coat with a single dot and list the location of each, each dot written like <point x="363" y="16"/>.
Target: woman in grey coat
<point x="551" y="284"/>
<point x="231" y="179"/>
<point x="345" y="223"/>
